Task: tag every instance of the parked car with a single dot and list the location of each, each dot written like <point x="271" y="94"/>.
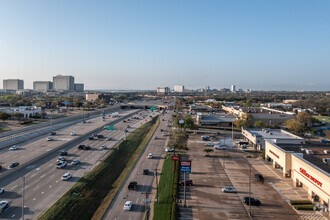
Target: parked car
<point x="63" y="153"/>
<point x="66" y="176"/>
<point x="145" y="172"/>
<point x="128" y="205"/>
<point x="75" y="162"/>
<point x="150" y="156"/>
<point x="205" y="138"/>
<point x="214" y="138"/>
<point x="209" y="144"/>
<point x="132" y="185"/>
<point x="3" y="205"/>
<point x="254" y="202"/>
<point x="219" y="147"/>
<point x="15" y="147"/>
<point x="2" y="190"/>
<point x="259" y="177"/>
<point x="12" y="165"/>
<point x="229" y="189"/>
<point x="169" y="149"/>
<point x="188" y="183"/>
<point x="49" y="139"/>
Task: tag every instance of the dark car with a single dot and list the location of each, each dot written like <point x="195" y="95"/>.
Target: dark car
<point x="91" y="138"/>
<point x="145" y="172"/>
<point x="259" y="177"/>
<point x="253" y="201"/>
<point x="213" y="137"/>
<point x="12" y="165"/>
<point x="52" y="133"/>
<point x="63" y="153"/>
<point x="83" y="147"/>
<point x="94" y="135"/>
<point x="188" y="183"/>
<point x="161" y="130"/>
<point x="100" y="136"/>
<point x="132" y="185"/>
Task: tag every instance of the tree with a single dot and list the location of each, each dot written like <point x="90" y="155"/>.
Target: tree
<point x="296" y="127"/>
<point x="259" y="124"/>
<point x="239" y="123"/>
<point x="4" y="116"/>
<point x="305" y="117"/>
<point x="247" y="116"/>
<point x="189" y="122"/>
<point x="208" y="150"/>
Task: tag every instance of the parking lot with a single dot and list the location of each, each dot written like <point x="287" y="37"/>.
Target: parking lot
<point x="205" y="199"/>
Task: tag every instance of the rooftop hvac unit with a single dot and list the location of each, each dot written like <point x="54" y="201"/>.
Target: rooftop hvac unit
<point x="325" y="151"/>
<point x="310" y="152"/>
<point x="326" y="160"/>
<point x="303" y="149"/>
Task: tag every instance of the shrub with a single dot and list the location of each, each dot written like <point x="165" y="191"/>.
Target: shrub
<point x="304" y="207"/>
<point x="300" y="202"/>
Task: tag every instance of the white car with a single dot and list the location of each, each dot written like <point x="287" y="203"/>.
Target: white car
<point x="128" y="205"/>
<point x="219" y="147"/>
<point x="169" y="149"/>
<point x="73" y="133"/>
<point x="15" y="147"/>
<point x="61" y="159"/>
<point x="75" y="162"/>
<point x="66" y="176"/>
<point x="109" y="139"/>
<point x="209" y="144"/>
<point x="2" y="190"/>
<point x="61" y="164"/>
<point x="150" y="156"/>
<point x="229" y="189"/>
<point x="49" y="139"/>
<point x="3" y="205"/>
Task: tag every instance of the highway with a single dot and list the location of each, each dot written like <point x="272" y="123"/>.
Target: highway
<point x="43" y="184"/>
<point x="138" y="196"/>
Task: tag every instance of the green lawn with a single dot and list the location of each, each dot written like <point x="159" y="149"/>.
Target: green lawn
<point x="84" y="198"/>
<point x="323" y="118"/>
<point x="167" y="190"/>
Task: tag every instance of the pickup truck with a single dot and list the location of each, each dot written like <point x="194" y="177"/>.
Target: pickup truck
<point x="132" y="185"/>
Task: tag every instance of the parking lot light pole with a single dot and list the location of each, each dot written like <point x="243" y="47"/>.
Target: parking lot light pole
<point x="250" y="192"/>
<point x="23" y="197"/>
<point x="184" y="190"/>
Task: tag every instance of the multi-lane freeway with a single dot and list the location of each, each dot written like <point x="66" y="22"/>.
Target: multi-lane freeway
<point x="43" y="184"/>
<point x="144" y="182"/>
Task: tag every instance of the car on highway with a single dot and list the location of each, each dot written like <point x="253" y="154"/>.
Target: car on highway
<point x="150" y="156"/>
<point x="66" y="176"/>
<point x="15" y="147"/>
<point x="100" y="136"/>
<point x="155" y="137"/>
<point x="63" y="153"/>
<point x="188" y="183"/>
<point x="52" y="133"/>
<point x="60" y="164"/>
<point x="161" y="130"/>
<point x="3" y="205"/>
<point x="109" y="139"/>
<point x="209" y="144"/>
<point x="2" y="190"/>
<point x="251" y="201"/>
<point x="73" y="133"/>
<point x="12" y="165"/>
<point x="132" y="185"/>
<point x="83" y="147"/>
<point x="128" y="205"/>
<point x="75" y="162"/>
<point x="219" y="147"/>
<point x="49" y="139"/>
<point x="61" y="159"/>
<point x="165" y="134"/>
<point x="205" y="137"/>
<point x="145" y="172"/>
<point x="91" y="138"/>
<point x="169" y="149"/>
<point x="229" y="189"/>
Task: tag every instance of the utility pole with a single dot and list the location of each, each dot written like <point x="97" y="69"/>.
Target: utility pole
<point x="232" y="131"/>
<point x="184" y="189"/>
<point x="147" y="208"/>
<point x="23" y="197"/>
<point x="250" y="192"/>
<point x="224" y="158"/>
<point x="155" y="173"/>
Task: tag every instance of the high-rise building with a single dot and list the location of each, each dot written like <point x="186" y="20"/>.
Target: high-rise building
<point x="233" y="88"/>
<point x="163" y="90"/>
<point x="179" y="88"/>
<point x="43" y="86"/>
<point x="63" y="83"/>
<point x="207" y="88"/>
<point x="13" y="84"/>
<point x="79" y="87"/>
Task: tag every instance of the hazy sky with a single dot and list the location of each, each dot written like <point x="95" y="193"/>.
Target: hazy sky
<point x="143" y="44"/>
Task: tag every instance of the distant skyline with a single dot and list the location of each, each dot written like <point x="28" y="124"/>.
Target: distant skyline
<point x="142" y="45"/>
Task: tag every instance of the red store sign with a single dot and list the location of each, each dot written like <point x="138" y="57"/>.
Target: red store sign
<point x="185" y="163"/>
<point x="278" y="157"/>
<point x="304" y="172"/>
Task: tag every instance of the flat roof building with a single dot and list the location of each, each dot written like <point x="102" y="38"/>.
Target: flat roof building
<point x="63" y="83"/>
<point x="43" y="86"/>
<point x="178" y="88"/>
<point x="257" y="136"/>
<point x="13" y="84"/>
<point x="220" y="120"/>
<point x="163" y="90"/>
<point x="79" y="87"/>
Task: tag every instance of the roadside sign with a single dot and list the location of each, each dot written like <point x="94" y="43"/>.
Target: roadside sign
<point x="111" y="128"/>
<point x="175" y="158"/>
<point x="152" y="108"/>
<point x="185" y="163"/>
<point x="185" y="169"/>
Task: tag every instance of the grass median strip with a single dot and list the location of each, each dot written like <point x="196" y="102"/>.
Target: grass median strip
<point x="167" y="191"/>
<point x="85" y="197"/>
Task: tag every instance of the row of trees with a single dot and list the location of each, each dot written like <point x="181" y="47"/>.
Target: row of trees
<point x="5" y="116"/>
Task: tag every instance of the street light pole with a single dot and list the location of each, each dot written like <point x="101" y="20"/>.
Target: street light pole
<point x="250" y="192"/>
<point x="23" y="197"/>
<point x="156" y="184"/>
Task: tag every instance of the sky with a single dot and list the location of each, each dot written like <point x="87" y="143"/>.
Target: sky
<point x="145" y="44"/>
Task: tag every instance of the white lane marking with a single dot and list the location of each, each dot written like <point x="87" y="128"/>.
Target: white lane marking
<point x="33" y="175"/>
<point x="50" y="165"/>
<point x="42" y="176"/>
<point x="38" y="168"/>
<point x="13" y="187"/>
<point x="13" y="216"/>
<point x="137" y="200"/>
<point x="36" y="187"/>
<point x="26" y="186"/>
<point x="52" y="175"/>
<point x="57" y="181"/>
<point x="34" y="199"/>
<point x="50" y="186"/>
<point x="42" y="192"/>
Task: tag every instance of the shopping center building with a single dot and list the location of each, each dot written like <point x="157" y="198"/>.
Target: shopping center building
<point x="306" y="165"/>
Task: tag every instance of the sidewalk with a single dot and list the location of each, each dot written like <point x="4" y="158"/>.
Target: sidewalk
<point x="284" y="187"/>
